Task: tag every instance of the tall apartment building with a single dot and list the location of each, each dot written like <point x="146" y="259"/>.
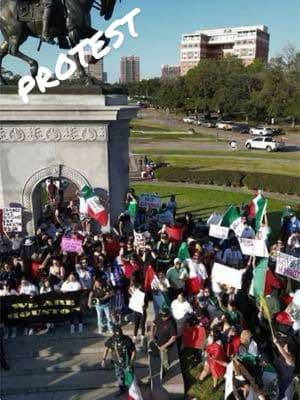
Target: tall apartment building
<point x="244" y="42"/>
<point x="170" y="72"/>
<point x="130" y="69"/>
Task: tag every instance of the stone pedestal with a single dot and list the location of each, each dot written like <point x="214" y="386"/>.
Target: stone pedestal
<point x="80" y="137"/>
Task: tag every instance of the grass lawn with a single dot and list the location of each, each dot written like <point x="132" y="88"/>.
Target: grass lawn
<point x="220" y="153"/>
<point x="202" y="202"/>
<point x="144" y="125"/>
<point x="247" y="162"/>
<point x="158" y="136"/>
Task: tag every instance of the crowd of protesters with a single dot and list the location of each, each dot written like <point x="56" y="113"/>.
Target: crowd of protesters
<point x="175" y="274"/>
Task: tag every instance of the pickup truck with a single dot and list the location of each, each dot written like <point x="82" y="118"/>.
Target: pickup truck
<point x="264" y="143"/>
<point x="261" y="131"/>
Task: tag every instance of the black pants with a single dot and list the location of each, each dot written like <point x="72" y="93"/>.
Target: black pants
<point x="139" y="322"/>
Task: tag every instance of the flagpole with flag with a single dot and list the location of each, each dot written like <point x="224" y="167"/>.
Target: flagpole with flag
<point x="257" y="209"/>
<point x="90" y="203"/>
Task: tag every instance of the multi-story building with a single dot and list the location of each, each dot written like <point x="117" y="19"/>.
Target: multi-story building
<point x="130" y="69"/>
<point x="244" y="42"/>
<point x="170" y="72"/>
<point x="95" y="70"/>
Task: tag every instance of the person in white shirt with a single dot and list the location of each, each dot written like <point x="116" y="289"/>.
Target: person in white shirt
<point x="73" y="285"/>
<point x="180" y="309"/>
<point x="27" y="288"/>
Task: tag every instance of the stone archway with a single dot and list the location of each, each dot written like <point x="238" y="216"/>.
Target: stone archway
<point x="55" y="171"/>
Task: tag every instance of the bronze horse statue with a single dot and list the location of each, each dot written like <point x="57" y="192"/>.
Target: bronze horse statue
<point x="70" y="22"/>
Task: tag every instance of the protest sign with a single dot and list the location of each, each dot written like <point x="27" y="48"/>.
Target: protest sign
<point x="254" y="247"/>
<point x="139" y="240"/>
<point x="43" y="308"/>
<point x="150" y="200"/>
<point x="229" y="380"/>
<point x="137" y="301"/>
<point x="71" y="245"/>
<point x="219" y="232"/>
<point x="175" y="233"/>
<point x="227" y="276"/>
<point x="288" y="266"/>
<point x="12" y="219"/>
<point x="166" y="218"/>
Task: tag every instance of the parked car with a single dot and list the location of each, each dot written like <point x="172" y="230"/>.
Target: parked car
<point x="225" y="125"/>
<point x="189" y="120"/>
<point x="265" y="143"/>
<point x="241" y="128"/>
<point x="261" y="131"/>
<point x="197" y="122"/>
<point x="208" y="124"/>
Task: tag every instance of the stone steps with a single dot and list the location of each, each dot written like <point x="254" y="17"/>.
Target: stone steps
<point x="64" y="366"/>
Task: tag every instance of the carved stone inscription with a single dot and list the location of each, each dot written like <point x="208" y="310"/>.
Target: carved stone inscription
<point x="52" y="133"/>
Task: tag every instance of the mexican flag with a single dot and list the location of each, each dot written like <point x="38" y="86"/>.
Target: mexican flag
<point x="231" y="218"/>
<point x="90" y="202"/>
<point x="257" y="287"/>
<point x="183" y="252"/>
<point x="257" y="209"/>
<point x="134" y="392"/>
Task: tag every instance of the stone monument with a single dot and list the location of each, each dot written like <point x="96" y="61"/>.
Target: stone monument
<point x="81" y="137"/>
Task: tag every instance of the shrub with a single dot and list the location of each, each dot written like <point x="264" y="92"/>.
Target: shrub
<point x="273" y="183"/>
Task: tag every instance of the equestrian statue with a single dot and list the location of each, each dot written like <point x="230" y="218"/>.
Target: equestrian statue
<point x="61" y="22"/>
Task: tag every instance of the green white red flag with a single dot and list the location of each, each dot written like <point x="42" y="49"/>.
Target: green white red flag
<point x="91" y="204"/>
<point x="231" y="218"/>
<point x="257" y="209"/>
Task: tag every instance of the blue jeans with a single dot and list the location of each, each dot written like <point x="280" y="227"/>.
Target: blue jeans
<point x="103" y="316"/>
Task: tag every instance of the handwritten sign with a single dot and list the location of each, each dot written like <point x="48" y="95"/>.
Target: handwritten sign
<point x="139" y="240"/>
<point x="12" y="219"/>
<point x="137" y="301"/>
<point x="254" y="247"/>
<point x="71" y="245"/>
<point x="227" y="276"/>
<point x="288" y="265"/>
<point x="149" y="200"/>
<point x="219" y="232"/>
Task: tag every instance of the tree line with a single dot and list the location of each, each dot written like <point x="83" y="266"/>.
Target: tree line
<point x="258" y="91"/>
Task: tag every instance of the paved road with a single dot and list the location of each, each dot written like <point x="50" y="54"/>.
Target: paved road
<point x="292" y="140"/>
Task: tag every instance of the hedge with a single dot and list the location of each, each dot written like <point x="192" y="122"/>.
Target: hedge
<point x="273" y="183"/>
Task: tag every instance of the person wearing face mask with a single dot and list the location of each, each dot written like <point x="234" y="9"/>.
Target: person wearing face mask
<point x="123" y="353"/>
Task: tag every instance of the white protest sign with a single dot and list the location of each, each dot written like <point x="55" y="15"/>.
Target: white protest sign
<point x="214" y="219"/>
<point x="12" y="219"/>
<point x="254" y="247"/>
<point x="227" y="276"/>
<point x="229" y="380"/>
<point x="137" y="301"/>
<point x="149" y="200"/>
<point x="219" y="232"/>
<point x="139" y="240"/>
<point x="288" y="265"/>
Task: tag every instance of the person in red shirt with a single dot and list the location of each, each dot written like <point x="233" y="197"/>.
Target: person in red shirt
<point x="215" y="359"/>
